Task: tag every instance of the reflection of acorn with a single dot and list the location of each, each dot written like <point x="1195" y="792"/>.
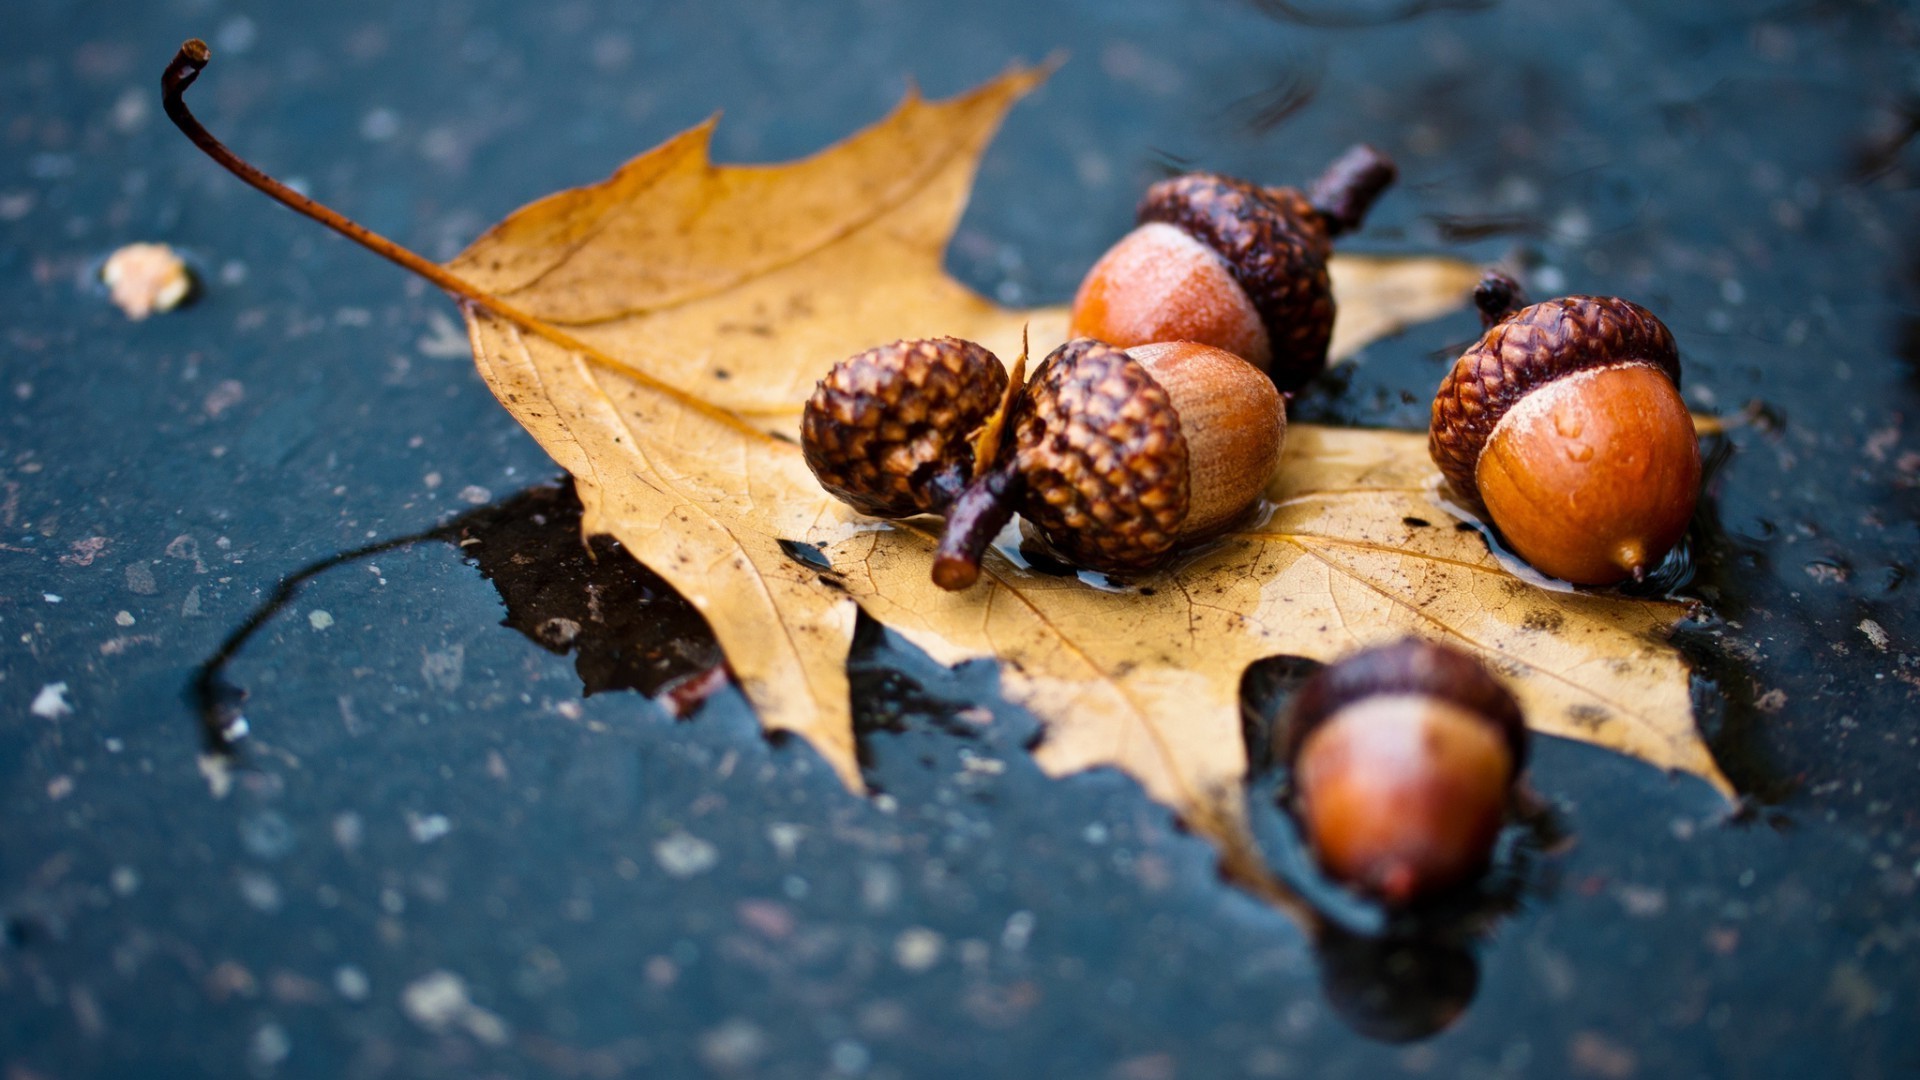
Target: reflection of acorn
<point x="891" y="430"/>
<point x="1396" y="989"/>
<point x="1403" y="758"/>
<point x="1117" y="456"/>
<point x="1565" y="423"/>
<point x="1232" y="265"/>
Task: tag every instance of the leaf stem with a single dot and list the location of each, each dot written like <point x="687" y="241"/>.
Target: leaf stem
<point x="186" y="67"/>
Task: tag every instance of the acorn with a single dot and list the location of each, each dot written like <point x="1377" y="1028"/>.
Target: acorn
<point x="1118" y="456"/>
<point x="894" y="431"/>
<point x="1564" y="423"/>
<point x="1233" y="265"/>
<point x="1404" y="758"/>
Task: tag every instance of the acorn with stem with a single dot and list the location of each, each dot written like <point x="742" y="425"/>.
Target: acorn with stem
<point x="1564" y="423"/>
<point x="1230" y="264"/>
<point x="1118" y="456"/>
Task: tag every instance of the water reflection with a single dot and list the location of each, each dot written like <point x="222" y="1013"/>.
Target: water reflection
<point x="1291" y="90"/>
<point x="626" y="628"/>
<point x="1397" y="988"/>
<point x="1393" y="976"/>
<point x="220" y="703"/>
<point x="1359" y="16"/>
<point x="1390" y="975"/>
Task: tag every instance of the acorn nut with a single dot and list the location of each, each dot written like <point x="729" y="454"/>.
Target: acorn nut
<point x="1229" y="264"/>
<point x="1403" y="758"/>
<point x="892" y="430"/>
<point x="1118" y="456"/>
<point x="1564" y="423"/>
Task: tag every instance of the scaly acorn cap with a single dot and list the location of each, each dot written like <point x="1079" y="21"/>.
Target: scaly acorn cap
<point x="1276" y="242"/>
<point x="1526" y="350"/>
<point x="890" y="430"/>
<point x="1412" y="666"/>
<point x="1124" y="453"/>
<point x="1277" y="248"/>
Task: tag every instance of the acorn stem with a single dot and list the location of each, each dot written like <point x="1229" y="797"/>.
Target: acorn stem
<point x="975" y="518"/>
<point x="1346" y="191"/>
<point x="946" y="485"/>
<point x="1497" y="296"/>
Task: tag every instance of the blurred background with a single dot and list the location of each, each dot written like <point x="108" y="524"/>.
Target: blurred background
<point x="438" y="857"/>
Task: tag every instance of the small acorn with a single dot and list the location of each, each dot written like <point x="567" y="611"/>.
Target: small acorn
<point x="1118" y="456"/>
<point x="894" y="430"/>
<point x="1404" y="758"/>
<point x="1233" y="265"/>
<point x="1564" y="422"/>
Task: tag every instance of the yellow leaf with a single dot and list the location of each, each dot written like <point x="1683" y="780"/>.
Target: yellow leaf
<point x="681" y="312"/>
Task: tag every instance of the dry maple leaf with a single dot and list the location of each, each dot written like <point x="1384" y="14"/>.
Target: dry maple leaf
<point x="658" y="332"/>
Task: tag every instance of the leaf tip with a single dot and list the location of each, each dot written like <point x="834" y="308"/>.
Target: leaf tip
<point x="701" y="134"/>
<point x="1023" y="78"/>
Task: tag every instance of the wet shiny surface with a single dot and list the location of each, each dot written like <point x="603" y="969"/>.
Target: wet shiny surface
<point x="440" y="858"/>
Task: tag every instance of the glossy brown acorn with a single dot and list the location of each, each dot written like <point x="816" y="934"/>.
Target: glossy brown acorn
<point x="1564" y="423"/>
<point x="1232" y="265"/>
<point x="892" y="430"/>
<point x="1118" y="456"/>
<point x="1404" y="758"/>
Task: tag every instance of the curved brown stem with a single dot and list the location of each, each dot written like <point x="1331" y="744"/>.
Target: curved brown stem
<point x="944" y="486"/>
<point x="1346" y="191"/>
<point x="1498" y="296"/>
<point x="974" y="519"/>
<point x="186" y="67"/>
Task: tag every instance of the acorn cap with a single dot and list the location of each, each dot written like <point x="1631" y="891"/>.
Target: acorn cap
<point x="884" y="425"/>
<point x="1099" y="444"/>
<point x="1525" y="351"/>
<point x="1411" y="666"/>
<point x="1277" y="245"/>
